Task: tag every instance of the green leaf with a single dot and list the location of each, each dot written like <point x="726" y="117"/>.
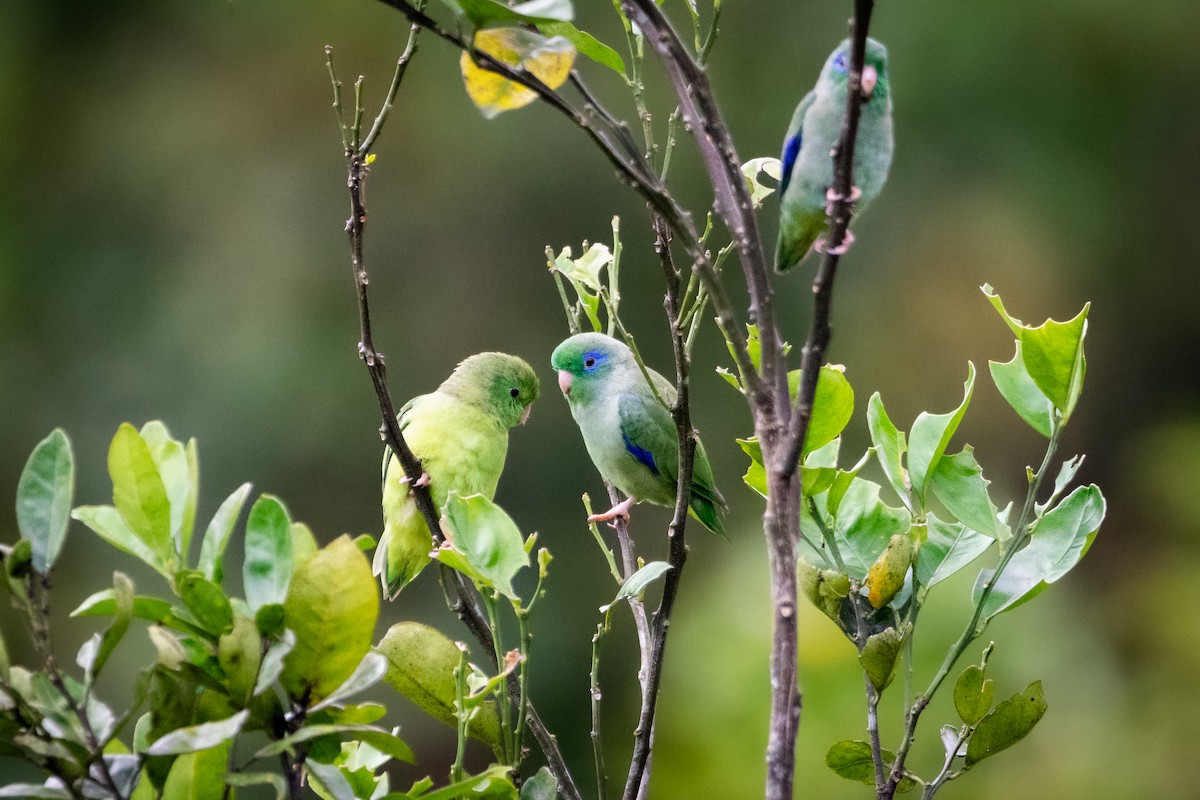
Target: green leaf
<point x="1015" y="385"/>
<point x="421" y="665"/>
<point x="267" y="570"/>
<point x="272" y="662"/>
<point x="44" y="495"/>
<point x="199" y="775"/>
<point x="833" y="405"/>
<point x="851" y="759"/>
<point x="1007" y="724"/>
<point x="586" y="269"/>
<point x="239" y="652"/>
<point x="378" y="738"/>
<point x="1062" y="537"/>
<point x="487" y="538"/>
<point x="931" y="434"/>
<point x="198" y="737"/>
<point x="754" y="169"/>
<point x="216" y="536"/>
<point x="34" y="791"/>
<point x="207" y="602"/>
<point x="259" y="779"/>
<point x="949" y="547"/>
<point x="585" y="43"/>
<point x="1052" y="354"/>
<point x="959" y="484"/>
<point x="122" y="613"/>
<point x="180" y="476"/>
<point x="103" y="603"/>
<point x="304" y="544"/>
<point x="368" y="673"/>
<point x="889" y="446"/>
<point x="865" y="525"/>
<point x="973" y="694"/>
<point x="542" y="786"/>
<point x="108" y="524"/>
<point x="139" y="494"/>
<point x="636" y="583"/>
<point x="826" y="589"/>
<point x="331" y="607"/>
<point x="878" y="657"/>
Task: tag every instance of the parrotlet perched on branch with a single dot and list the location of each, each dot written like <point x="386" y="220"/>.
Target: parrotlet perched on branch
<point x="805" y="189"/>
<point x="629" y="435"/>
<point x="460" y="433"/>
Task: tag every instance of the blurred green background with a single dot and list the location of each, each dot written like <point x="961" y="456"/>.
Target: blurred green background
<point x="172" y="196"/>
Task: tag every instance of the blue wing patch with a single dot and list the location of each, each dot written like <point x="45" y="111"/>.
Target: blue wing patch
<point x="791" y="149"/>
<point x="640" y="453"/>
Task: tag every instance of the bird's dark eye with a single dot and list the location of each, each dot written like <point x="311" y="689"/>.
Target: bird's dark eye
<point x="589" y="362"/>
<point x="839" y="62"/>
<point x="514" y="391"/>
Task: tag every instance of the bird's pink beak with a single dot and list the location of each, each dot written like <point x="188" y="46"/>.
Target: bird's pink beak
<point x="869" y="78"/>
<point x="564" y="381"/>
<point x="525" y="413"/>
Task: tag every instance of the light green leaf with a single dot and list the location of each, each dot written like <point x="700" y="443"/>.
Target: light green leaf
<point x="949" y="547"/>
<point x="34" y="791"/>
<point x="108" y="524"/>
<point x="122" y="613"/>
<point x="139" y="494"/>
<point x="833" y="405"/>
<point x="368" y="673"/>
<point x="585" y="43"/>
<point x="199" y="737"/>
<point x="103" y="603"/>
<point x="44" y="495"/>
<point x="199" y="775"/>
<point x="267" y="570"/>
<point x="1008" y="723"/>
<point x="1015" y="385"/>
<point x="239" y="652"/>
<point x="959" y="484"/>
<point x="272" y="662"/>
<point x="865" y="525"/>
<point x="216" y="536"/>
<point x="1052" y="354"/>
<point x="636" y="583"/>
<point x="378" y="738"/>
<point x="1066" y="474"/>
<point x="973" y="694"/>
<point x="754" y="169"/>
<point x="1061" y="539"/>
<point x="331" y="607"/>
<point x="931" y="434"/>
<point x="487" y="538"/>
<point x="542" y="786"/>
<point x="176" y="466"/>
<point x="421" y="664"/>
<point x="889" y="446"/>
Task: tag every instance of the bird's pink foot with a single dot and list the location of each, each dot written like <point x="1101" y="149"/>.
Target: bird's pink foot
<point x="421" y="481"/>
<point x="619" y="510"/>
<point x="832" y="196"/>
<point x="841" y="249"/>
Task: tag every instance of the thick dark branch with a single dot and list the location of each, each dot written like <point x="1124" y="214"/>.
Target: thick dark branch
<point x="643" y="743"/>
<point x="731" y="196"/>
<point x="632" y="169"/>
<point x="842" y="209"/>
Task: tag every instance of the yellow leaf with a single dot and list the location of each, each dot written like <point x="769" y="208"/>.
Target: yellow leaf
<point x="548" y="59"/>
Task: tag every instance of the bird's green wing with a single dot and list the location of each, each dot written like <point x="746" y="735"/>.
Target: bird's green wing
<point x="793" y="140"/>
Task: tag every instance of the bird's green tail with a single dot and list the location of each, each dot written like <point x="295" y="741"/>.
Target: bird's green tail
<point x="705" y="510"/>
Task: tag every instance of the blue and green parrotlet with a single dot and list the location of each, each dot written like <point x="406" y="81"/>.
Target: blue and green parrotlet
<point x="629" y="435"/>
<point x="460" y="434"/>
<point x="806" y="186"/>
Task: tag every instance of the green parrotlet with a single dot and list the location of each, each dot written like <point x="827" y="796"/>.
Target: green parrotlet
<point x="806" y="186"/>
<point x="460" y="433"/>
<point x="629" y="435"/>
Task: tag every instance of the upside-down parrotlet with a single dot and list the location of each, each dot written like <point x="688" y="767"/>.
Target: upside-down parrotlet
<point x="629" y="435"/>
<point x="460" y="434"/>
<point x="805" y="188"/>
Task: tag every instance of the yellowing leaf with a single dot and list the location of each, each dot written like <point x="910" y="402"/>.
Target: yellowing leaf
<point x="548" y="59"/>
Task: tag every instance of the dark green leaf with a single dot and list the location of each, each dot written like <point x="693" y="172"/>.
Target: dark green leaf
<point x="889" y="446"/>
<point x="488" y="539"/>
<point x="1008" y="723"/>
<point x="239" y="652"/>
<point x="259" y="779"/>
<point x="269" y="619"/>
<point x="959" y="484"/>
<point x="207" y="602"/>
<point x="851" y="759"/>
<point x="421" y="664"/>
<point x="139" y="494"/>
<point x="931" y="434"/>
<point x="1061" y="539"/>
<point x="44" y="496"/>
<point x="636" y="583"/>
<point x="826" y="589"/>
<point x="267" y="570"/>
<point x="216" y="536"/>
<point x="1022" y="394"/>
<point x="878" y="657"/>
<point x="973" y="694"/>
<point x="331" y="607"/>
